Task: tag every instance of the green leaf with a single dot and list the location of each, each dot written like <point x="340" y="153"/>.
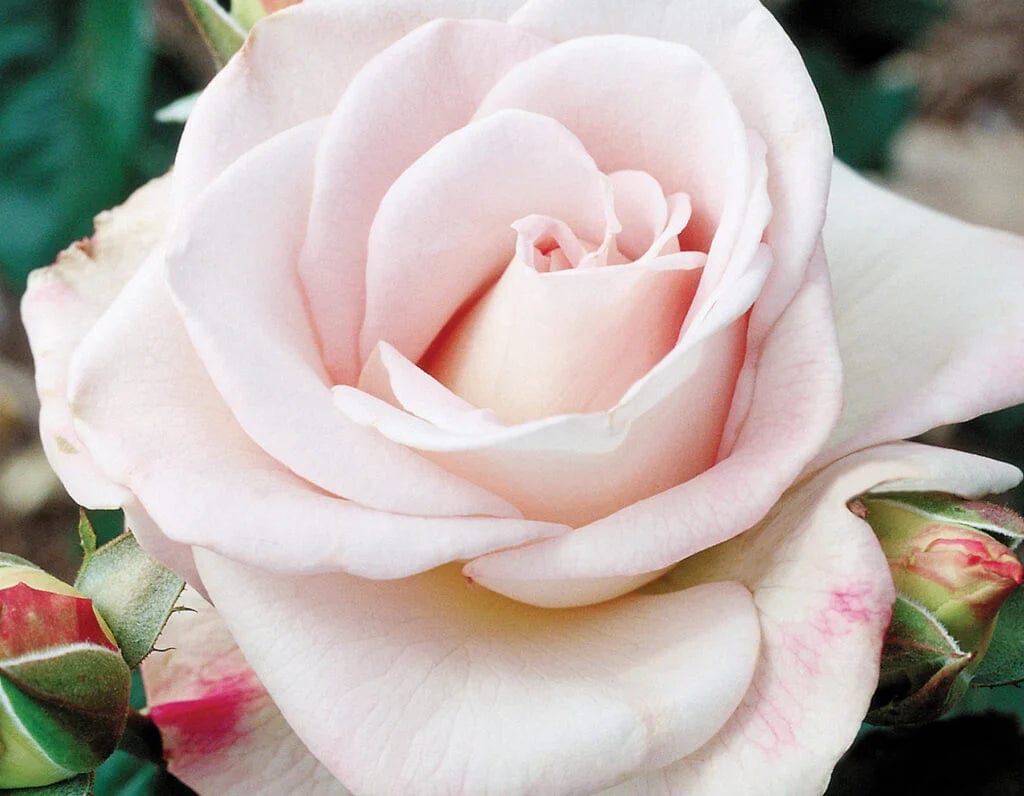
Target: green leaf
<point x="81" y="785"/>
<point x="132" y="592"/>
<point x="72" y="111"/>
<point x="222" y="33"/>
<point x="86" y="535"/>
<point x="1003" y="663"/>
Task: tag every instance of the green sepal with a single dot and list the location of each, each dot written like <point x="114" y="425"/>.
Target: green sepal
<point x="10" y="560"/>
<point x="132" y="592"/>
<point x="86" y="536"/>
<point x="221" y="32"/>
<point x="924" y="671"/>
<point x="942" y="507"/>
<point x="81" y="785"/>
<point x="1003" y="663"/>
<point x="73" y="703"/>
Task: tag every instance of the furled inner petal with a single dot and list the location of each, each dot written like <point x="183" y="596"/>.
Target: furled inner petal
<point x="567" y="328"/>
<point x="443" y="232"/>
<point x="398" y="106"/>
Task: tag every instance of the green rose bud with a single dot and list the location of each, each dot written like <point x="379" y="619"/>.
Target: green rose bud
<point x="952" y="577"/>
<point x="63" y="683"/>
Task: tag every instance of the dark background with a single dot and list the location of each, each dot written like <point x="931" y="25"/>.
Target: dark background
<point x="928" y="95"/>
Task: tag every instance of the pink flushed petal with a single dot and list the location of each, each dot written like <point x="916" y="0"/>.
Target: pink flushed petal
<point x="61" y="305"/>
<point x="698" y="147"/>
<point x="953" y="290"/>
<point x="569" y="469"/>
<point x="766" y="80"/>
<point x="316" y="44"/>
<point x="822" y="589"/>
<point x="795" y="399"/>
<point x="241" y="240"/>
<point x="148" y="412"/>
<point x="221" y="732"/>
<point x="398" y="106"/>
<point x="526" y="365"/>
<point x="176" y="557"/>
<point x="441" y="235"/>
<point x="427" y="685"/>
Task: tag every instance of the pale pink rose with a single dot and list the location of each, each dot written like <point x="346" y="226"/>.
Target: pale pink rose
<point x="534" y="298"/>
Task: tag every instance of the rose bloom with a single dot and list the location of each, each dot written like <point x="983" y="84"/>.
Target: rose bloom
<point x="457" y="326"/>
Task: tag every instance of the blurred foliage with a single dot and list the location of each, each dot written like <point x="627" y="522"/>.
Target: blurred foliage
<point x="76" y="106"/>
<point x="847" y="47"/>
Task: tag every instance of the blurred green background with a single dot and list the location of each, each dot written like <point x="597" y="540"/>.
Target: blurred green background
<point x="926" y="94"/>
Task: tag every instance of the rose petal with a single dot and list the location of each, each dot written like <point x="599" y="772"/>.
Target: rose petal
<point x="426" y="685"/>
<point x="794" y="402"/>
<point x="823" y="592"/>
<point x="954" y="292"/>
<point x="698" y="146"/>
<point x="444" y="229"/>
<point x="766" y="80"/>
<point x="241" y="240"/>
<point x="221" y="732"/>
<point x="641" y="208"/>
<point x="587" y="336"/>
<point x="567" y="468"/>
<point x="398" y="106"/>
<point x="61" y="305"/>
<point x="316" y="45"/>
<point x="137" y="387"/>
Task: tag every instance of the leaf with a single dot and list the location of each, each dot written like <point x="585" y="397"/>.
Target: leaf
<point x="72" y="111"/>
<point x="1003" y="663"/>
<point x="221" y="32"/>
<point x="133" y="593"/>
<point x="86" y="535"/>
<point x="82" y="785"/>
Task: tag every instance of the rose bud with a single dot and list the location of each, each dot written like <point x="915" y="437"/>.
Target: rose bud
<point x="951" y="579"/>
<point x="63" y="683"/>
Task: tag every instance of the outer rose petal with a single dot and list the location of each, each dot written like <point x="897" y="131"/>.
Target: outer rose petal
<point x="930" y="313"/>
<point x="822" y="588"/>
<point x="318" y="45"/>
<point x="241" y="240"/>
<point x="221" y="731"/>
<point x="427" y="686"/>
<point x="398" y="106"/>
<point x="142" y="398"/>
<point x="62" y="304"/>
<point x="794" y="402"/>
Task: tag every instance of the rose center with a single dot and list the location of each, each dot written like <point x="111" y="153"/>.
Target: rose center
<point x="572" y="323"/>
